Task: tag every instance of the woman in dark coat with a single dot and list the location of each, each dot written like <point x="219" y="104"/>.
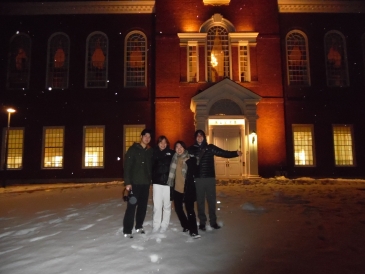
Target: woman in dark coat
<point x="181" y="177"/>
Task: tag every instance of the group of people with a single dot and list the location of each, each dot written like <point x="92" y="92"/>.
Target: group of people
<point x="183" y="175"/>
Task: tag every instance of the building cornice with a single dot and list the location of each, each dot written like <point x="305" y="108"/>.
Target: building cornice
<point x="88" y="7"/>
<point x="216" y="2"/>
<point x="321" y="6"/>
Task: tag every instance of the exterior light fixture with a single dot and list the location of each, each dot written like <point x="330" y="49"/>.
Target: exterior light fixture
<point x="253" y="137"/>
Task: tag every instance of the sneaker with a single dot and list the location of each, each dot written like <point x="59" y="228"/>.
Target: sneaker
<point x="128" y="236"/>
<point x="195" y="236"/>
<point x="185" y="230"/>
<point x="140" y="230"/>
<point x="202" y="227"/>
<point x="163" y="230"/>
<point x="215" y="226"/>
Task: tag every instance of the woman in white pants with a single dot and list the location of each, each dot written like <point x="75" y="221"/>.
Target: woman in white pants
<point x="162" y="197"/>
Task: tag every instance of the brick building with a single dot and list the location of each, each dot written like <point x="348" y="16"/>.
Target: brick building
<point x="85" y="77"/>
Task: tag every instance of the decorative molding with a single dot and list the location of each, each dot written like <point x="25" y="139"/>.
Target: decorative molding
<point x="237" y="37"/>
<point x="187" y="37"/>
<point x="87" y="7"/>
<point x="321" y="6"/>
<point x="216" y="2"/>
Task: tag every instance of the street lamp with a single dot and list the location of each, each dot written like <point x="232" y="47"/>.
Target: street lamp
<point x="10" y="111"/>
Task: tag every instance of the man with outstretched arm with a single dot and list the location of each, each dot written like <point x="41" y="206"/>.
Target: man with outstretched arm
<point x="205" y="183"/>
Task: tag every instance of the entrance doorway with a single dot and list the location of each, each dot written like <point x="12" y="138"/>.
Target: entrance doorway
<point x="228" y="138"/>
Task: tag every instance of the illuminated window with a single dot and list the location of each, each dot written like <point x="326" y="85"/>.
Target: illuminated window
<point x="132" y="134"/>
<point x="342" y="140"/>
<point x="336" y="59"/>
<point x="14" y="149"/>
<point x="58" y="61"/>
<point x="96" y="60"/>
<point x="93" y="147"/>
<point x="193" y="71"/>
<point x="303" y="145"/>
<point x="53" y="142"/>
<point x="19" y="62"/>
<point x="218" y="54"/>
<point x="135" y="59"/>
<point x="297" y="59"/>
<point x="244" y="62"/>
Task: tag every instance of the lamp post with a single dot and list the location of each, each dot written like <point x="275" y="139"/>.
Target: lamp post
<point x="10" y="111"/>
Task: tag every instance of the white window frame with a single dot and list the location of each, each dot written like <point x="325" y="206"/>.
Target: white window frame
<point x="343" y="145"/>
<point x="62" y="149"/>
<point x="131" y="139"/>
<point x="7" y="154"/>
<point x="50" y="59"/>
<point x="306" y="61"/>
<point x="191" y="63"/>
<point x="84" y="165"/>
<point x="244" y="68"/>
<point x="126" y="56"/>
<point x="306" y="143"/>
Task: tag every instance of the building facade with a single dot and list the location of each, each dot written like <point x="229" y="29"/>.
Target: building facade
<point x="260" y="76"/>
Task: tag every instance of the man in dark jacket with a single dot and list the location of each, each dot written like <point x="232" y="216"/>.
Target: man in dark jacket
<point x="137" y="178"/>
<point x="205" y="176"/>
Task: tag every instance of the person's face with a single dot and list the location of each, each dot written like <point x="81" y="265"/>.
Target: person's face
<point x="145" y="139"/>
<point x="163" y="144"/>
<point x="179" y="149"/>
<point x="199" y="138"/>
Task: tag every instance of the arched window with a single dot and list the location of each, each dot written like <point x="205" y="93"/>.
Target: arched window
<point x="19" y="62"/>
<point x="135" y="59"/>
<point x="336" y="59"/>
<point x="96" y="60"/>
<point x="58" y="61"/>
<point x="218" y="54"/>
<point x="297" y="59"/>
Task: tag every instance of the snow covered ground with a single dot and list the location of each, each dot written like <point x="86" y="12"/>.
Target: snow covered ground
<point x="268" y="226"/>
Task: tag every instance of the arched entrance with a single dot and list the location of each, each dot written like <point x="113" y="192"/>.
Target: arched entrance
<point x="227" y="113"/>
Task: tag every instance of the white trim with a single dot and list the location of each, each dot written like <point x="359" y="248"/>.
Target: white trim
<point x="236" y="37"/>
<point x="87" y="7"/>
<point x="320" y="6"/>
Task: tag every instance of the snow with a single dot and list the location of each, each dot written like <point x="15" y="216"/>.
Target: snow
<point x="273" y="225"/>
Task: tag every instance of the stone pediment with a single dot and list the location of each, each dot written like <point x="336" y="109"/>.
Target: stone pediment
<point x="223" y="90"/>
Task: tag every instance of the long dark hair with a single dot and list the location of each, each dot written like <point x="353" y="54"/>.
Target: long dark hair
<point x="161" y="138"/>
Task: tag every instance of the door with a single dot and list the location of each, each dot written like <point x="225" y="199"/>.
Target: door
<point x="227" y="138"/>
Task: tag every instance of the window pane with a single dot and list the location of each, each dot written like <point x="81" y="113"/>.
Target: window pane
<point x="15" y="149"/>
<point x="218" y="54"/>
<point x="193" y="62"/>
<point x="342" y="139"/>
<point x="297" y="58"/>
<point x="132" y="134"/>
<point x="303" y="145"/>
<point x="336" y="60"/>
<point x="94" y="146"/>
<point x="97" y="61"/>
<point x="58" y="61"/>
<point x="136" y="60"/>
<point x="53" y="148"/>
<point x="19" y="62"/>
<point x="244" y="63"/>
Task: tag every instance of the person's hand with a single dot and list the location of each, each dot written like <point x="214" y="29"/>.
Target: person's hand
<point x="239" y="153"/>
<point x="128" y="187"/>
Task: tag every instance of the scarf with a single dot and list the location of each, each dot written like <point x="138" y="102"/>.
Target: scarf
<point x="172" y="173"/>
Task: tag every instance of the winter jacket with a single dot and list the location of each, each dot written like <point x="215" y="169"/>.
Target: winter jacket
<point x="138" y="165"/>
<point x="205" y="156"/>
<point x="161" y="160"/>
